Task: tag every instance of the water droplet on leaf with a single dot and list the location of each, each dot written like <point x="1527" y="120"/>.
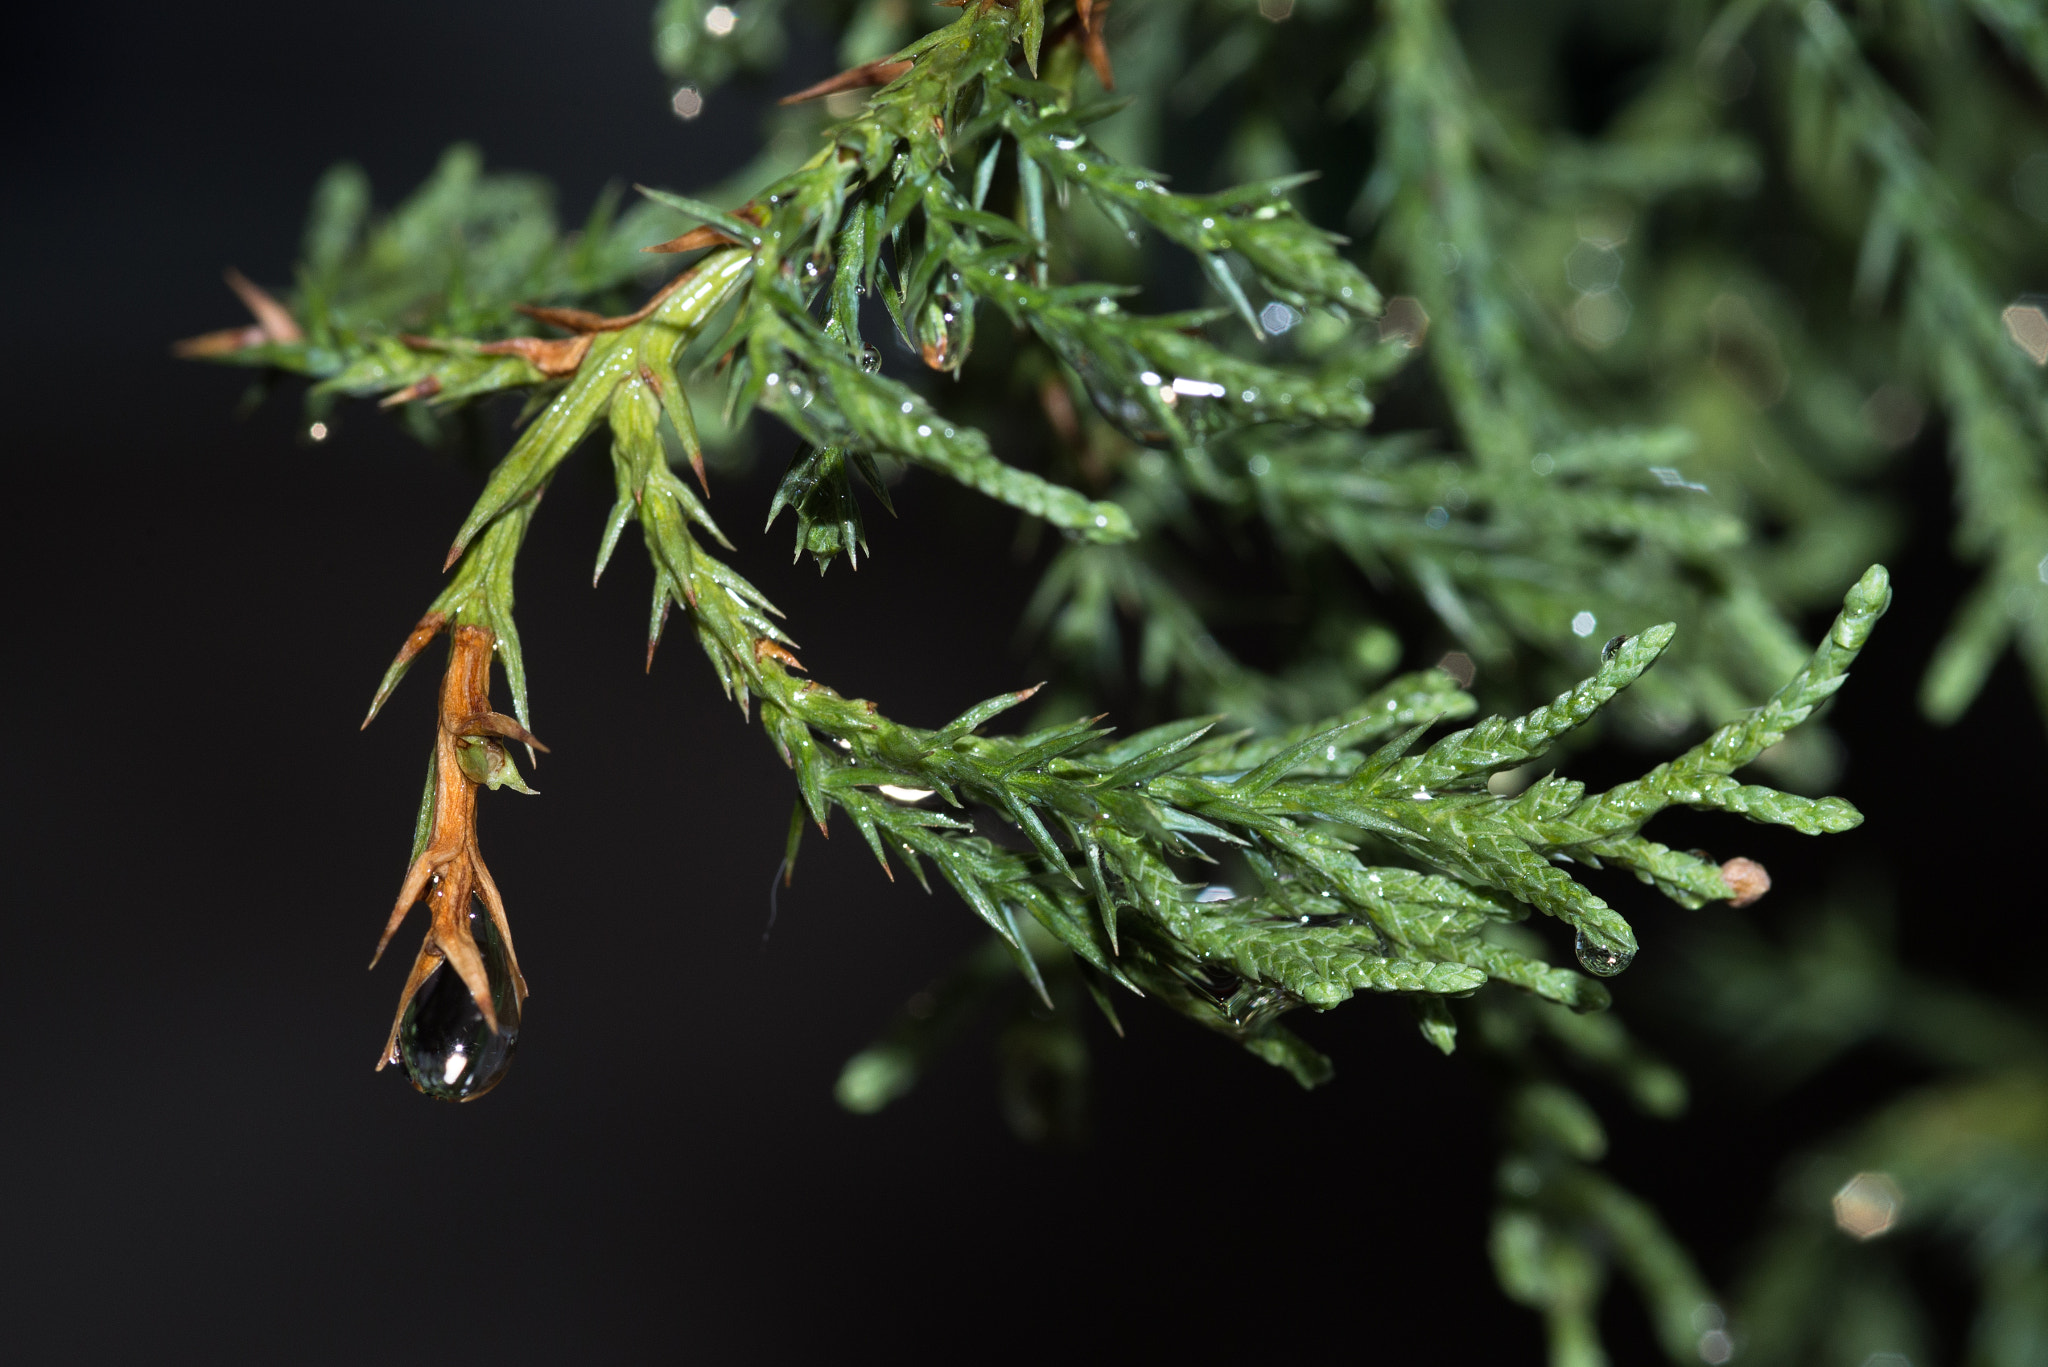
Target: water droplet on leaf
<point x="447" y="1045"/>
<point x="945" y="331"/>
<point x="1602" y="961"/>
<point x="1614" y="644"/>
<point x="870" y="359"/>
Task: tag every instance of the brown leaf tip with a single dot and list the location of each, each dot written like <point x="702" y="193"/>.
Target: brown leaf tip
<point x="690" y="241"/>
<point x="274" y="318"/>
<point x="429" y="627"/>
<point x="224" y="342"/>
<point x="1747" y="880"/>
<point x="859" y="78"/>
<point x="418" y="389"/>
<point x="550" y="356"/>
<point x="495" y="724"/>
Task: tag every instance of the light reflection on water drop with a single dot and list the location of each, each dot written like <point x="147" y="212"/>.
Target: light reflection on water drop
<point x="448" y="1048"/>
<point x="1602" y="961"/>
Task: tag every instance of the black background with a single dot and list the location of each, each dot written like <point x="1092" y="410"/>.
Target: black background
<point x="195" y="1155"/>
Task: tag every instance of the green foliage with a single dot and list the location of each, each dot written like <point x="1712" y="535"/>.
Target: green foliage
<point x="1112" y="828"/>
<point x="1578" y="413"/>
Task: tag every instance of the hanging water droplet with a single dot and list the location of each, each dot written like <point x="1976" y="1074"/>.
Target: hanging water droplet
<point x="945" y="331"/>
<point x="447" y="1045"/>
<point x="1602" y="961"/>
<point x="870" y="359"/>
<point x="1116" y="403"/>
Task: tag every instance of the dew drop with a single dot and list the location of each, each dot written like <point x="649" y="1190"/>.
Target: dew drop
<point x="870" y="359"/>
<point x="1613" y="646"/>
<point x="1130" y="416"/>
<point x="1602" y="961"/>
<point x="945" y="332"/>
<point x="447" y="1045"/>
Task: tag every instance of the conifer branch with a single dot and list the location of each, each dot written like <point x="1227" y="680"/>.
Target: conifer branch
<point x="1110" y="830"/>
<point x="1293" y="844"/>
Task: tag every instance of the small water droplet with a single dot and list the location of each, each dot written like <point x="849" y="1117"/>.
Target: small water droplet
<point x="447" y="1046"/>
<point x="1602" y="961"/>
<point x="945" y="331"/>
<point x="1613" y="646"/>
<point x="1132" y="417"/>
<point x="870" y="359"/>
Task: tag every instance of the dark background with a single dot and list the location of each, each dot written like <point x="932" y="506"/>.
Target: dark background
<point x="195" y="1155"/>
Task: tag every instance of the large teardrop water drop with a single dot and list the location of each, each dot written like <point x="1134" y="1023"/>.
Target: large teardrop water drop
<point x="1602" y="961"/>
<point x="447" y="1045"/>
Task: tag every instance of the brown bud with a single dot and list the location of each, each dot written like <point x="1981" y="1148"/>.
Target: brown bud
<point x="1747" y="880"/>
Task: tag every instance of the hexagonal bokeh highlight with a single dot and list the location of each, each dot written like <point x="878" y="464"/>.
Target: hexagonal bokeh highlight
<point x="1868" y="1205"/>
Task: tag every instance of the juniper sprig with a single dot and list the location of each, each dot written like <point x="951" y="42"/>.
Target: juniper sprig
<point x="1111" y="828"/>
<point x="943" y="265"/>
